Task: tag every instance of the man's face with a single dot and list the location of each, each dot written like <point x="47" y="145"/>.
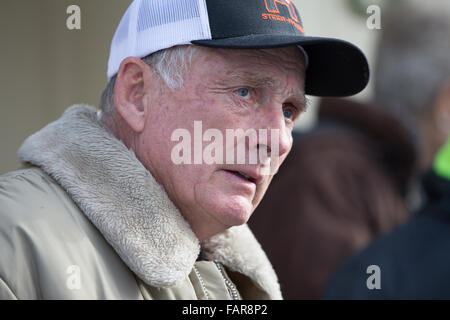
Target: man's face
<point x="224" y="89"/>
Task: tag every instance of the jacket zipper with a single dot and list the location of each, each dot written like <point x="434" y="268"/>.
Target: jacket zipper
<point x="230" y="287"/>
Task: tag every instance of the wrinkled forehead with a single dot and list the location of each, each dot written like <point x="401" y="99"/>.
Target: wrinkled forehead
<point x="290" y="57"/>
<point x="272" y="64"/>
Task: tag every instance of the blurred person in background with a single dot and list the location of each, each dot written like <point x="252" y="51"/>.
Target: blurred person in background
<point x="412" y="74"/>
<point x="412" y="82"/>
<point x="347" y="180"/>
<point x="413" y="261"/>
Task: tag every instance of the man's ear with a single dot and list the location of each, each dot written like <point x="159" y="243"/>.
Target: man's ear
<point x="129" y="92"/>
<point x="442" y="109"/>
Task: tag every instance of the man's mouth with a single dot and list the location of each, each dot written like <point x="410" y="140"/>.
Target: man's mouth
<point x="242" y="175"/>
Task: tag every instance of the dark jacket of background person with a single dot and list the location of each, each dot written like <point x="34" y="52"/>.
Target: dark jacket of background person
<point x="414" y="259"/>
<point x="343" y="184"/>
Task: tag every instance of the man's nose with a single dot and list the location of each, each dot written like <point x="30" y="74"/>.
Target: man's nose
<point x="279" y="137"/>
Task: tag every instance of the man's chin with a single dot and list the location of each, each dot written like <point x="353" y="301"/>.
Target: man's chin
<point x="236" y="211"/>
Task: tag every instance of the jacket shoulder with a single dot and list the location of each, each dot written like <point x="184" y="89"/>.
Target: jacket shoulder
<point x="31" y="210"/>
<point x="27" y="195"/>
<point x="45" y="239"/>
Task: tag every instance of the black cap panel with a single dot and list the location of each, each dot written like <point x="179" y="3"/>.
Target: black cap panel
<point x="233" y="18"/>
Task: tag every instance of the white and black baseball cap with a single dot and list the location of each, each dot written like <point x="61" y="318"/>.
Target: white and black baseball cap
<point x="335" y="67"/>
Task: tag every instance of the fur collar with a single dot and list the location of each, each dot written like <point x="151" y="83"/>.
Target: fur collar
<point x="131" y="210"/>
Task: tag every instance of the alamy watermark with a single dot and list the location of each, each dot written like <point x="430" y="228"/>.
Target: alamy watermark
<point x="249" y="147"/>
<point x="373" y="22"/>
<point x="73" y="281"/>
<point x="73" y="21"/>
<point x="374" y="280"/>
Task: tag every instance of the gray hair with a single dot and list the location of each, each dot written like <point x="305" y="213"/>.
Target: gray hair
<point x="413" y="58"/>
<point x="170" y="64"/>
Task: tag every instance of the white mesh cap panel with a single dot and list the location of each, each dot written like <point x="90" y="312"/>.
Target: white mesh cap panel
<point x="151" y="25"/>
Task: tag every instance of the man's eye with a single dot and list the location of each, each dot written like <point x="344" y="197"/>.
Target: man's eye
<point x="243" y="92"/>
<point x="289" y="113"/>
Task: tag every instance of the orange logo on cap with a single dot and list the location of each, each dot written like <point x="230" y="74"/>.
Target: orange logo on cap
<point x="272" y="7"/>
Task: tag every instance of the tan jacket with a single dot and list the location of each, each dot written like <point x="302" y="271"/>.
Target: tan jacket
<point x="86" y="220"/>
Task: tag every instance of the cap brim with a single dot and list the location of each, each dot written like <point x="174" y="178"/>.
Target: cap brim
<point x="336" y="67"/>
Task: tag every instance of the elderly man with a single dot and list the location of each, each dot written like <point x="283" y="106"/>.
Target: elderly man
<point x="102" y="210"/>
